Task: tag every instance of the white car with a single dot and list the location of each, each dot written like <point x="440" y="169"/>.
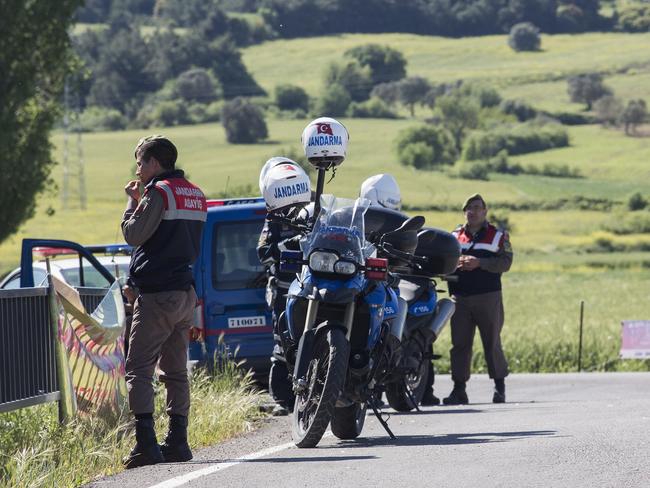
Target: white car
<point x="74" y="271"/>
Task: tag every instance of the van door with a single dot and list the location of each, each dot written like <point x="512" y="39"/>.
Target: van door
<point x="234" y="285"/>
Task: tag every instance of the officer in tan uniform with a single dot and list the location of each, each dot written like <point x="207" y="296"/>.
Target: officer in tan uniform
<point x="164" y="223"/>
<point x="486" y="254"/>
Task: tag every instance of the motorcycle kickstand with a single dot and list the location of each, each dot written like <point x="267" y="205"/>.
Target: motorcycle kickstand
<point x="383" y="423"/>
<point x="409" y="394"/>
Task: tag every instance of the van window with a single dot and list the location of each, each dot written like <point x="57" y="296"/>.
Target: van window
<point x="234" y="256"/>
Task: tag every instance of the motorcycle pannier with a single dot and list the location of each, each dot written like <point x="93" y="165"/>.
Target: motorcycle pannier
<point x="441" y="250"/>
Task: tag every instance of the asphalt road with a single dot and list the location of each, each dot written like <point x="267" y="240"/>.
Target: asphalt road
<point x="557" y="430"/>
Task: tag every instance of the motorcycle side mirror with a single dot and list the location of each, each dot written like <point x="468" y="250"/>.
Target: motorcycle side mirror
<point x="412" y="223"/>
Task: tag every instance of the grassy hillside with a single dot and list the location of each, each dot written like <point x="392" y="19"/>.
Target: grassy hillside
<point x="442" y="59"/>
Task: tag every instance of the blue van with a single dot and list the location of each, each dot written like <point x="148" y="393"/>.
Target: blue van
<point x="231" y="285"/>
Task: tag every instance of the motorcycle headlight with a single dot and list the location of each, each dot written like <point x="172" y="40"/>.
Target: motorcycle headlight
<point x="345" y="267"/>
<point x="323" y="262"/>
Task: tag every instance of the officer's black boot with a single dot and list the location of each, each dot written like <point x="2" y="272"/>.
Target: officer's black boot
<point x="146" y="450"/>
<point x="499" y="391"/>
<point x="175" y="448"/>
<point x="458" y="396"/>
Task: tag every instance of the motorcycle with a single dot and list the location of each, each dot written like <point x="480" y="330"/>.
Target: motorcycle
<point x="436" y="256"/>
<point x="344" y="320"/>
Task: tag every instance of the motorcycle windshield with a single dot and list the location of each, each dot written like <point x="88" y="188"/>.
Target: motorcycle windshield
<point x="340" y="228"/>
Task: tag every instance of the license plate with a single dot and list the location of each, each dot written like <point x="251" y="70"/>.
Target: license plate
<point x="235" y="322"/>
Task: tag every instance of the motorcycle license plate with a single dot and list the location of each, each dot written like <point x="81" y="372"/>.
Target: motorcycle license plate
<point x="257" y="321"/>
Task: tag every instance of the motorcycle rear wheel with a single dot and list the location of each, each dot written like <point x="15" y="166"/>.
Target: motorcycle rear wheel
<point x="325" y="378"/>
<point x="347" y="422"/>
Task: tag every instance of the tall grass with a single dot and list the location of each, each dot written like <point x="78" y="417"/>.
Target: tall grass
<point x="36" y="451"/>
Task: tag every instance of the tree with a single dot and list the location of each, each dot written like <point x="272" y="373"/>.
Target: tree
<point x="587" y="88"/>
<point x="291" y="97"/>
<point x="387" y="92"/>
<point x="608" y="109"/>
<point x="351" y="76"/>
<point x="244" y="122"/>
<point x="411" y="150"/>
<point x="386" y="64"/>
<point x="35" y="59"/>
<point x="524" y="37"/>
<point x="412" y="90"/>
<point x="334" y="102"/>
<point x="633" y="115"/>
<point x="458" y="115"/>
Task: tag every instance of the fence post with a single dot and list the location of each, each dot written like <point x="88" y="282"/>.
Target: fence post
<point x="582" y="314"/>
<point x="67" y="400"/>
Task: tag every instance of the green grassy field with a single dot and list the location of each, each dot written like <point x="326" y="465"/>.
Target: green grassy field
<point x="551" y="246"/>
<point x="440" y="59"/>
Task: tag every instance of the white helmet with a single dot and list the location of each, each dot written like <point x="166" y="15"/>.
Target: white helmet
<point x="274" y="161"/>
<point x="325" y="142"/>
<point x="285" y="185"/>
<point x="382" y="190"/>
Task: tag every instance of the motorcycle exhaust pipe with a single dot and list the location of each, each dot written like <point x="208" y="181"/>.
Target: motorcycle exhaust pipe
<point x="397" y="326"/>
<point x="444" y="310"/>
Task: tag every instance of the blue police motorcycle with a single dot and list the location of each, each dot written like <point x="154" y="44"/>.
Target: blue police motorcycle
<point x="345" y="320"/>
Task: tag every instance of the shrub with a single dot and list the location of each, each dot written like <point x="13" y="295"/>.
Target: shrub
<point x="521" y="139"/>
<point x="637" y="202"/>
<point x="519" y="109"/>
<point x="472" y="170"/>
<point x="634" y="18"/>
<point x="197" y="85"/>
<point x="168" y="113"/>
<point x="438" y="139"/>
<point x="572" y="118"/>
<point x="243" y="121"/>
<point x="291" y="97"/>
<point x="334" y="101"/>
<point x="524" y="37"/>
<point x="99" y="119"/>
<point x="501" y="220"/>
<point x="418" y="154"/>
<point x="371" y="109"/>
<point x="553" y="170"/>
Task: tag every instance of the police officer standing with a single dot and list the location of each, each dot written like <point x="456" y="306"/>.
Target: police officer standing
<point x="486" y="254"/>
<point x="165" y="225"/>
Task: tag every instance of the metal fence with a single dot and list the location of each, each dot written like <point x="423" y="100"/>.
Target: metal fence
<point x="28" y="374"/>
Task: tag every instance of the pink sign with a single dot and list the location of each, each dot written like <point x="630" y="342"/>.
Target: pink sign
<point x="635" y="339"/>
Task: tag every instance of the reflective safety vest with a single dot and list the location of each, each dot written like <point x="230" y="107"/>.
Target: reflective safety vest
<point x="163" y="263"/>
<point x="486" y="243"/>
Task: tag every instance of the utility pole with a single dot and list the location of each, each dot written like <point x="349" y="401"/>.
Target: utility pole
<point x="76" y="167"/>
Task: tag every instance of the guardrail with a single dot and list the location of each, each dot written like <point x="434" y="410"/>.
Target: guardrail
<point x="53" y="350"/>
<point x="28" y="374"/>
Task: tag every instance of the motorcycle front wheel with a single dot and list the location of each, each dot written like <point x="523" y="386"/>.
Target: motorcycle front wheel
<point x="347" y="422"/>
<point x="314" y="406"/>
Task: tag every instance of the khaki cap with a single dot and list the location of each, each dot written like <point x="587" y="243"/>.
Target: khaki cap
<point x="473" y="198"/>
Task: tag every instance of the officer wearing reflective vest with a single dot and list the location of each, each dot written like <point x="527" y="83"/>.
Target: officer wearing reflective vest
<point x="286" y="190"/>
<point x="165" y="225"/>
<point x="486" y="254"/>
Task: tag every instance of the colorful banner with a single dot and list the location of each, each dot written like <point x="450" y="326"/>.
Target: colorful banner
<point x="635" y="339"/>
<point x="95" y="347"/>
